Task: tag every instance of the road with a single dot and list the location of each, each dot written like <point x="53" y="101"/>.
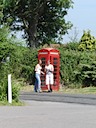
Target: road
<point x="50" y="110"/>
<point x="59" y="97"/>
<point x="38" y="114"/>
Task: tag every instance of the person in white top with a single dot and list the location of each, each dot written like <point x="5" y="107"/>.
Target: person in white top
<point x="37" y="87"/>
<point x="49" y="76"/>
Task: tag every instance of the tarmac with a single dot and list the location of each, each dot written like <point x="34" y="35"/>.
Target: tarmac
<point x="88" y="99"/>
<point x="50" y="110"/>
<point x="38" y="114"/>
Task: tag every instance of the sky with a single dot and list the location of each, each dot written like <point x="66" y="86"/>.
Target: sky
<point x="83" y="17"/>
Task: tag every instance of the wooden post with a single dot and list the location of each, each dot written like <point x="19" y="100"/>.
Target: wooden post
<point x="9" y="89"/>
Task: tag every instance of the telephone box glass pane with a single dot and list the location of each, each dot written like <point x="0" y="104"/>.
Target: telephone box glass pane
<point x="43" y="59"/>
<point x="55" y="61"/>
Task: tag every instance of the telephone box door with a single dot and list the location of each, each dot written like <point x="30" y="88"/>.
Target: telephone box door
<point x="56" y="62"/>
<point x="43" y="58"/>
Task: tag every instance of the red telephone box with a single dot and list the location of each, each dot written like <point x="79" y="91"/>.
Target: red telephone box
<point x="53" y="55"/>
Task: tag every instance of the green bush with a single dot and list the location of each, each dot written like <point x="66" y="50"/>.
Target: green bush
<point x="15" y="91"/>
<point x="72" y="46"/>
<point x="86" y="72"/>
<point x="78" y="67"/>
<point x="69" y="62"/>
<point x="28" y="64"/>
<point x="4" y="85"/>
<point x="8" y="51"/>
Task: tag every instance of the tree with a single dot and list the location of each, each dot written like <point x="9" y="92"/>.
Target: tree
<point x="74" y="35"/>
<point x="1" y="11"/>
<point x="41" y="20"/>
<point x="87" y="41"/>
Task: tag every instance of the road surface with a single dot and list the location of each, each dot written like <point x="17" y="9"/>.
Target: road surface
<point x="38" y="114"/>
<point x="50" y="110"/>
<point x="59" y="97"/>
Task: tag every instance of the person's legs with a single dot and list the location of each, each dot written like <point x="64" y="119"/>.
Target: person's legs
<point x="36" y="83"/>
<point x="37" y="86"/>
<point x="39" y="83"/>
<point x="51" y="81"/>
<point x="47" y="82"/>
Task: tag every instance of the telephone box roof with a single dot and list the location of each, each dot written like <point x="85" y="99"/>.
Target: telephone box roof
<point x="48" y="50"/>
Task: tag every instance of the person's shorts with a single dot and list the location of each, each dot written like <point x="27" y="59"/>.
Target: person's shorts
<point x="49" y="79"/>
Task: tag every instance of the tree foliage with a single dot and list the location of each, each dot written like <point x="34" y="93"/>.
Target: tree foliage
<point x="41" y="20"/>
<point x="87" y="42"/>
<point x="1" y="11"/>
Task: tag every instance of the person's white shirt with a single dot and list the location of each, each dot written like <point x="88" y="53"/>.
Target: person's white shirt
<point x="49" y="69"/>
<point x="38" y="68"/>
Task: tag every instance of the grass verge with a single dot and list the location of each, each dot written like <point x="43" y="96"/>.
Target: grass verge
<point x="86" y="90"/>
<point x="5" y="103"/>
